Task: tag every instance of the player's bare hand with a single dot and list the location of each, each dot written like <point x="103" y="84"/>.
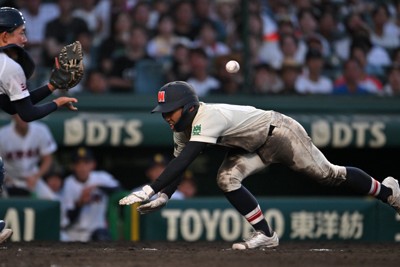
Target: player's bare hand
<point x="67" y="102"/>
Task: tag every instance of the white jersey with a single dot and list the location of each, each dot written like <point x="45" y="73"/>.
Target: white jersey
<point x="92" y="216"/>
<point x="12" y="79"/>
<point x="243" y="127"/>
<point x="22" y="154"/>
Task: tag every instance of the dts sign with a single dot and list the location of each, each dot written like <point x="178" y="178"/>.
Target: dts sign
<point x="337" y="134"/>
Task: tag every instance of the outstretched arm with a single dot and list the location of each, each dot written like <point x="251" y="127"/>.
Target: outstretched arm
<point x="170" y="175"/>
<point x="29" y="112"/>
<point x="41" y="93"/>
<point x="177" y="166"/>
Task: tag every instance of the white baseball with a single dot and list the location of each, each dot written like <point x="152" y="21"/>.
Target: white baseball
<point x="232" y="66"/>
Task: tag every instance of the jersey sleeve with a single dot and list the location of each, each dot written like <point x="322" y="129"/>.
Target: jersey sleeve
<point x="105" y="179"/>
<point x="208" y="127"/>
<point x="13" y="81"/>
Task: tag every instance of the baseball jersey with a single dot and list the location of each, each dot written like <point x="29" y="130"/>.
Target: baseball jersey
<point x="12" y="79"/>
<point x="227" y="125"/>
<point x="92" y="216"/>
<point x="22" y="154"/>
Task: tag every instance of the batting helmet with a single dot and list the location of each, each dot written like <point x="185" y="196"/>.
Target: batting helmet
<point x="175" y="95"/>
<point x="10" y="19"/>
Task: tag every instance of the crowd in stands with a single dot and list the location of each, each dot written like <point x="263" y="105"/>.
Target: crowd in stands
<point x="285" y="47"/>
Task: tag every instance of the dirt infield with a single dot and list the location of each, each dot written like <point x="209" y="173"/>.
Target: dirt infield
<point x="216" y="254"/>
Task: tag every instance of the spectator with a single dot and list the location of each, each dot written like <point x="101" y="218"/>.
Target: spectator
<point x="114" y="45"/>
<point x="225" y="15"/>
<point x="350" y="82"/>
<point x="159" y="8"/>
<point x="183" y="15"/>
<point x="204" y="12"/>
<point x="109" y="11"/>
<point x="96" y="82"/>
<point x="27" y="150"/>
<point x="328" y="26"/>
<point x="392" y="87"/>
<point x="123" y="71"/>
<point x="37" y="15"/>
<point x="377" y="57"/>
<point x="383" y="32"/>
<point x="355" y="25"/>
<point x="266" y="80"/>
<point x="161" y="46"/>
<point x="332" y="64"/>
<point x="200" y="76"/>
<point x="360" y="52"/>
<point x="312" y="81"/>
<point x="85" y="199"/>
<point x="140" y="14"/>
<point x="271" y="51"/>
<point x="307" y="21"/>
<point x="207" y="40"/>
<point x="86" y="11"/>
<point x="180" y="65"/>
<point x="61" y="31"/>
<point x="289" y="73"/>
<point x="289" y="49"/>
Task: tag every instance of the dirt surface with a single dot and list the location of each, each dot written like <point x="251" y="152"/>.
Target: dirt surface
<point x="164" y="254"/>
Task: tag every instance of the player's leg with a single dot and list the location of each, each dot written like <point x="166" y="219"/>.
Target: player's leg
<point x="300" y="154"/>
<point x="4" y="233"/>
<point x="235" y="167"/>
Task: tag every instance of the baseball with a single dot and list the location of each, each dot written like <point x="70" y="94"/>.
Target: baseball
<point x="232" y="66"/>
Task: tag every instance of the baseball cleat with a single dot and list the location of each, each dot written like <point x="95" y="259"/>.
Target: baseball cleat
<point x="5" y="234"/>
<point x="394" y="199"/>
<point x="258" y="240"/>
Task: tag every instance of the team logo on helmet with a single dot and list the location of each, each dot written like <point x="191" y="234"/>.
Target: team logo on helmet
<point x="161" y="96"/>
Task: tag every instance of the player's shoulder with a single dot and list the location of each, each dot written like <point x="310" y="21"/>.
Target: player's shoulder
<point x="101" y="174"/>
<point x="5" y="128"/>
<point x="9" y="65"/>
<point x="39" y="126"/>
<point x="69" y="180"/>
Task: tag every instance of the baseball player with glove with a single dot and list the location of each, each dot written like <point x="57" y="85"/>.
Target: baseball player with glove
<point x="255" y="139"/>
<point x="16" y="66"/>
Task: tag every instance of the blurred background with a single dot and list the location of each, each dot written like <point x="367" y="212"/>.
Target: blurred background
<point x="333" y="65"/>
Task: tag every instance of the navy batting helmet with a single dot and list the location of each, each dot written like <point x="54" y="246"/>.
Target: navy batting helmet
<point x="175" y="95"/>
<point x="10" y="19"/>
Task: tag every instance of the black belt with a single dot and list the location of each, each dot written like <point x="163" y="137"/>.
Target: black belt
<point x="271" y="129"/>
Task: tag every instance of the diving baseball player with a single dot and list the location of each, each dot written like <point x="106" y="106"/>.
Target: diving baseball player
<point x="255" y="138"/>
<point x="16" y="66"/>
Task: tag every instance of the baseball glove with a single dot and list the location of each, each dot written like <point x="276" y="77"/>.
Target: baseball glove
<point x="68" y="67"/>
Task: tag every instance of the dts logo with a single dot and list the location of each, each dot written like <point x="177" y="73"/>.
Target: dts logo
<point x="344" y="134"/>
